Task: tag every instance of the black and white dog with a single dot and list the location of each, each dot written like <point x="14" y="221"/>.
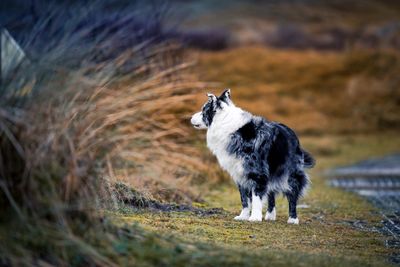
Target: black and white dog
<point x="264" y="158"/>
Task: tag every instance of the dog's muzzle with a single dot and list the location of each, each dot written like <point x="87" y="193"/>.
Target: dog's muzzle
<point x="197" y="121"/>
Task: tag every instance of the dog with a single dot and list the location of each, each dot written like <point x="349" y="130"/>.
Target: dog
<point x="264" y="158"/>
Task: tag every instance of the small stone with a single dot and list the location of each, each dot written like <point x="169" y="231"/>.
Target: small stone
<point x="303" y="206"/>
<point x="252" y="236"/>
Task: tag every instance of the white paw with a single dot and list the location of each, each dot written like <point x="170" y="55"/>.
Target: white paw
<point x="241" y="218"/>
<point x="255" y="218"/>
<point x="293" y="221"/>
<point x="271" y="216"/>
<point x="244" y="215"/>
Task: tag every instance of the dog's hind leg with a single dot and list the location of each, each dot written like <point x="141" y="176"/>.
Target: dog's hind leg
<point x="292" y="199"/>
<point x="271" y="210"/>
<point x="298" y="182"/>
<point x="245" y="197"/>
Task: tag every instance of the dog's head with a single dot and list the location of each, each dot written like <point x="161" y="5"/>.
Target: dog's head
<point x="204" y="118"/>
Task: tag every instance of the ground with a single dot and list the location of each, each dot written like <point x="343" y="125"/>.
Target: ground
<point x="327" y="233"/>
<point x="326" y="219"/>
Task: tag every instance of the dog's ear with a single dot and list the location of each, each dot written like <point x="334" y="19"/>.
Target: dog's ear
<point x="211" y="97"/>
<point x="226" y="95"/>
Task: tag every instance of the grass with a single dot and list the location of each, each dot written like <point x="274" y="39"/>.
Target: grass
<point x="103" y="126"/>
<point x="325" y="228"/>
<point x="93" y="106"/>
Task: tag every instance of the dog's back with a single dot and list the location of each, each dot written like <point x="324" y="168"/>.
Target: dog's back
<point x="270" y="153"/>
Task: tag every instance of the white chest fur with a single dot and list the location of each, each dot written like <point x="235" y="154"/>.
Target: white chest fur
<point x="226" y="122"/>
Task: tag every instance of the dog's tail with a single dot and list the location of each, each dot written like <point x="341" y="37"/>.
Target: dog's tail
<point x="308" y="160"/>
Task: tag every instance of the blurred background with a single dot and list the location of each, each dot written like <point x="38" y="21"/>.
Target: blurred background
<point x="99" y="165"/>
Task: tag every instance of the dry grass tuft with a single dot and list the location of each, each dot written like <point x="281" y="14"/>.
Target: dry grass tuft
<point x="92" y="118"/>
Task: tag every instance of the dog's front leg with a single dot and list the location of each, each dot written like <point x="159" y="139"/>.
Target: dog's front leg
<point x="245" y="197"/>
<point x="256" y="207"/>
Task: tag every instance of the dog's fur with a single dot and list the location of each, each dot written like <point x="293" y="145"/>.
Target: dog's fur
<point x="264" y="158"/>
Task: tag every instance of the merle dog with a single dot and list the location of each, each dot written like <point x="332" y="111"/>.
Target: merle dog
<point x="264" y="158"/>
